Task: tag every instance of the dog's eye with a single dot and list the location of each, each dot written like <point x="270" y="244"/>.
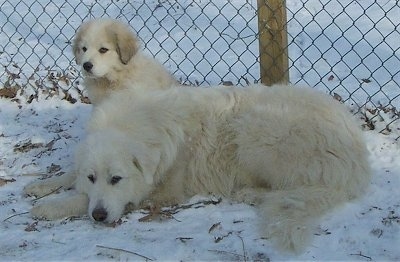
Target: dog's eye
<point x="84" y="49"/>
<point x="103" y="50"/>
<point x="115" y="179"/>
<point x="91" y="178"/>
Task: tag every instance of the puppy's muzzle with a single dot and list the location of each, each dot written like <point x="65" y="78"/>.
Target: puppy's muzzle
<point x="99" y="214"/>
<point x="87" y="66"/>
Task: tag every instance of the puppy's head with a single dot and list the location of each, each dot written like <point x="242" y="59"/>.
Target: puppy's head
<point x="114" y="172"/>
<point x="103" y="46"/>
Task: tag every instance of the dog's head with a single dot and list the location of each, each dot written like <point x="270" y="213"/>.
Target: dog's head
<point x="102" y="46"/>
<point x="114" y="172"/>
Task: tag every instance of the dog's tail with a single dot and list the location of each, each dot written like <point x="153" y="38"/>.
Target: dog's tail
<point x="288" y="215"/>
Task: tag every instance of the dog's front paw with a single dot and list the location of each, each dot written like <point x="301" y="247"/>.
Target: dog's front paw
<point x="39" y="188"/>
<point x="48" y="211"/>
<point x="61" y="207"/>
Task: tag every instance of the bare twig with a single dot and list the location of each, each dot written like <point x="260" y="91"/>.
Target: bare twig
<point x="126" y="251"/>
<point x="243" y="248"/>
<point x="361" y="255"/>
<point x="19" y="214"/>
<point x="168" y="213"/>
<point x="176" y="209"/>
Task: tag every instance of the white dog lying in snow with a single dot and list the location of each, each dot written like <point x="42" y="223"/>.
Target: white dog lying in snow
<point x="294" y="152"/>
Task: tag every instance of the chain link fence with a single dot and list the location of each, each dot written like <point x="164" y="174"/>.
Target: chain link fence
<point x="347" y="48"/>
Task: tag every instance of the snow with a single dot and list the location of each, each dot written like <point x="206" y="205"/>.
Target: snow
<point x="38" y="137"/>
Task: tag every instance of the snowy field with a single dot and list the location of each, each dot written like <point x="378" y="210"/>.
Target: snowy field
<point x="39" y="131"/>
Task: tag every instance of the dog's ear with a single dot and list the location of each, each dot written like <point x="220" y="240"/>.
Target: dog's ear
<point x="125" y="41"/>
<point x="76" y="43"/>
<point x="147" y="164"/>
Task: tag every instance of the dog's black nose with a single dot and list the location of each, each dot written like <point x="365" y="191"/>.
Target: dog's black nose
<point x="99" y="214"/>
<point x="87" y="66"/>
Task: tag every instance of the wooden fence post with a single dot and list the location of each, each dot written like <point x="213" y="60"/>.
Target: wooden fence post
<point x="273" y="42"/>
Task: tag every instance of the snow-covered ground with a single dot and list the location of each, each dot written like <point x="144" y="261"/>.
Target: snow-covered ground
<point x="39" y="130"/>
<point x="41" y="136"/>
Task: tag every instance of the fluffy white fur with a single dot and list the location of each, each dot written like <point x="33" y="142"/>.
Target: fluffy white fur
<point x="110" y="59"/>
<point x="294" y="152"/>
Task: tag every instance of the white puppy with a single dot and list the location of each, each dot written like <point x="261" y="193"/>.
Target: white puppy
<point x="294" y="152"/>
<point x="109" y="55"/>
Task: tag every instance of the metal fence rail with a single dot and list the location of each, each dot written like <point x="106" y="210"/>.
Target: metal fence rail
<point x="347" y="48"/>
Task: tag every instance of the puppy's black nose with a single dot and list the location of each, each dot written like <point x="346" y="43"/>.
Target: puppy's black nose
<point x="87" y="66"/>
<point x="99" y="214"/>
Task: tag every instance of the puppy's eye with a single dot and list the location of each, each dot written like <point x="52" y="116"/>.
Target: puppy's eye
<point x="115" y="179"/>
<point x="84" y="49"/>
<point x="91" y="178"/>
<point x="103" y="50"/>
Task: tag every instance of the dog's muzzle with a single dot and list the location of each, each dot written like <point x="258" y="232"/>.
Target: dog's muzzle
<point x="87" y="66"/>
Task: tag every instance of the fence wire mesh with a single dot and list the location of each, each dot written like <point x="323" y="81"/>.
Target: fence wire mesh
<point x="347" y="48"/>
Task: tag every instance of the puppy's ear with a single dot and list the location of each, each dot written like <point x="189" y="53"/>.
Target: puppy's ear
<point x="126" y="42"/>
<point x="76" y="43"/>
